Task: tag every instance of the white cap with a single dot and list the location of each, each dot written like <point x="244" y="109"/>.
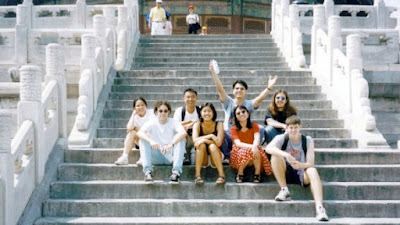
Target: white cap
<point x="158" y="1"/>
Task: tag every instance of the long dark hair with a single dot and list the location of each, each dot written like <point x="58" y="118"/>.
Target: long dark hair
<point x="288" y="109"/>
<point x="237" y="123"/>
<point x="208" y="104"/>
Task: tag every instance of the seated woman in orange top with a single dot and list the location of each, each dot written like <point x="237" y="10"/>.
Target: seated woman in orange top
<point x="246" y="149"/>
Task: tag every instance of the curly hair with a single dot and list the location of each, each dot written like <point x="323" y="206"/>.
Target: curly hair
<point x="288" y="108"/>
<point x="159" y="104"/>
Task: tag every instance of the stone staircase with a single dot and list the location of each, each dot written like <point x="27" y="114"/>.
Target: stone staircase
<point x="360" y="186"/>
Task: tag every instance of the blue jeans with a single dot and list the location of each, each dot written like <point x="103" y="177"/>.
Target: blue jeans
<point x="271" y="132"/>
<point x="150" y="157"/>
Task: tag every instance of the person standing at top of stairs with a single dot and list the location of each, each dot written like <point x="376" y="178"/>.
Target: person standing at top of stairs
<point x="157" y="19"/>
<point x="229" y="104"/>
<point x="192" y="20"/>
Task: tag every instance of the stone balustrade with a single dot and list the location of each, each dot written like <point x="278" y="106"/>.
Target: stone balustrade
<point x="41" y="125"/>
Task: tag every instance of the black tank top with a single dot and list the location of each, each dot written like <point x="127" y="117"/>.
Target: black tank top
<point x="215" y="130"/>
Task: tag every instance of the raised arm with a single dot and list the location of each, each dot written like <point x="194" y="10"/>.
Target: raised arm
<point x="221" y="91"/>
<point x="271" y="82"/>
<point x="275" y="123"/>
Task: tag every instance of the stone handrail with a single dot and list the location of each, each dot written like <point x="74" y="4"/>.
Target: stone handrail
<point x="41" y="125"/>
<point x="286" y="32"/>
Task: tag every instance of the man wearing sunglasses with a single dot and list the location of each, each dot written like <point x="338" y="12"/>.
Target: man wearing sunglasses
<point x="162" y="142"/>
<point x="229" y="104"/>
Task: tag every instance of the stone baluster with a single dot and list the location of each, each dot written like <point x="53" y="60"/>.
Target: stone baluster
<point x="398" y="22"/>
<point x="318" y="23"/>
<point x="353" y="52"/>
<point x="21" y="35"/>
<point x="329" y="9"/>
<point x="381" y="13"/>
<point x="295" y="23"/>
<point x="80" y="16"/>
<point x="6" y="171"/>
<point x="335" y="42"/>
<point x="100" y="33"/>
<point x="28" y="15"/>
<point x="30" y="107"/>
<point x="110" y="24"/>
<point x="88" y="62"/>
<point x="55" y="67"/>
<point x="130" y="12"/>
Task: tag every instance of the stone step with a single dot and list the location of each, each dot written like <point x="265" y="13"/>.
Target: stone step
<point x="392" y="140"/>
<point x="387" y="117"/>
<point x="208" y="96"/>
<point x="331" y="173"/>
<point x="216" y="207"/>
<point x="209" y="190"/>
<point x="389" y="127"/>
<point x="205" y="41"/>
<point x="318" y="142"/>
<point x="305" y="123"/>
<point x="313" y="132"/>
<point x="204" y="72"/>
<point x="170" y="65"/>
<point x="232" y="67"/>
<point x="300" y="104"/>
<point x="314" y="113"/>
<point x="225" y="37"/>
<point x="205" y="88"/>
<point x="167" y="48"/>
<point x="210" y="44"/>
<point x="210" y="54"/>
<point x="322" y="156"/>
<point x="220" y="60"/>
<point x="379" y="104"/>
<point x="250" y="80"/>
<point x="211" y="220"/>
<point x="386" y="90"/>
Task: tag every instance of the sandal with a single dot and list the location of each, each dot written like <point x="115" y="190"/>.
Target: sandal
<point x="239" y="178"/>
<point x="257" y="178"/>
<point x="220" y="180"/>
<point x="198" y="180"/>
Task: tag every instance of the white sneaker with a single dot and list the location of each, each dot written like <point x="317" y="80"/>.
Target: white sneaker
<point x="283" y="195"/>
<point x="139" y="162"/>
<point x="123" y="160"/>
<point x="321" y="214"/>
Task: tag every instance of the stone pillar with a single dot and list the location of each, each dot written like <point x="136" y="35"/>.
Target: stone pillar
<point x="55" y="67"/>
<point x="329" y="9"/>
<point x="122" y="18"/>
<point x="80" y="17"/>
<point x="6" y="171"/>
<point x="295" y="23"/>
<point x="29" y="5"/>
<point x="335" y="42"/>
<point x="88" y="62"/>
<point x="110" y="24"/>
<point x="30" y="108"/>
<point x="21" y="35"/>
<point x="100" y="33"/>
<point x="380" y="14"/>
<point x="318" y="23"/>
<point x="353" y="52"/>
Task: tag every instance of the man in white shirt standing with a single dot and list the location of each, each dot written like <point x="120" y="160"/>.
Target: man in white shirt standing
<point x="188" y="115"/>
<point x="157" y="19"/>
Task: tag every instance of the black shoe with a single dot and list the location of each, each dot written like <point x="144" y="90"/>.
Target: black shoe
<point x="186" y="162"/>
<point x="174" y="179"/>
<point x="148" y="178"/>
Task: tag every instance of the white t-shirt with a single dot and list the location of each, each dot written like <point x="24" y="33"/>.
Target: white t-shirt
<point x="162" y="133"/>
<point x="168" y="28"/>
<point x="138" y="121"/>
<point x="188" y="116"/>
<point x="192" y="18"/>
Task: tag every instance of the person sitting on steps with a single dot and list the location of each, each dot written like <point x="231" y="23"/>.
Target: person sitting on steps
<point x="229" y="104"/>
<point x="246" y="150"/>
<point x="278" y="111"/>
<point x="208" y="135"/>
<point x="292" y="160"/>
<point x="140" y="116"/>
<point x="188" y="115"/>
<point x="162" y="142"/>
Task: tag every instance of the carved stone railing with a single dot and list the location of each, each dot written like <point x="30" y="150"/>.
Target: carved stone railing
<point x="41" y="125"/>
<point x="286" y="32"/>
<point x="340" y="76"/>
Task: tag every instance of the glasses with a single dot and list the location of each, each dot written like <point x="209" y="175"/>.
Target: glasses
<point x="241" y="112"/>
<point x="280" y="97"/>
<point x="163" y="111"/>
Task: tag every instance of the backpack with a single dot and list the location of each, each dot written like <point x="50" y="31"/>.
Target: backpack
<point x="184" y="112"/>
<point x="303" y="143"/>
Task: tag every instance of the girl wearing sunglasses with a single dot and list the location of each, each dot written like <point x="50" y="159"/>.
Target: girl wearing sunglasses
<point x="277" y="112"/>
<point x="246" y="149"/>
